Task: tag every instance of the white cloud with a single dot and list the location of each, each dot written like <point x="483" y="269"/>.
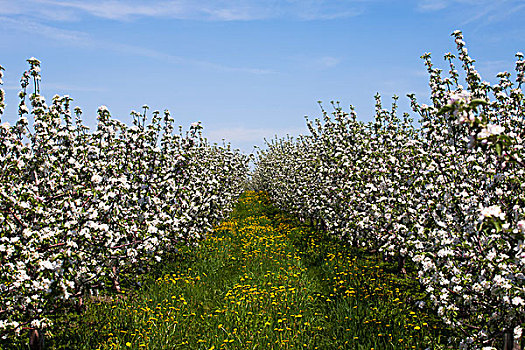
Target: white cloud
<point x="314" y="62"/>
<point x="497" y="14"/>
<point x="325" y="10"/>
<point x="81" y="39"/>
<point x="225" y="10"/>
<point x="432" y="5"/>
<point x="435" y="5"/>
<point x="475" y="10"/>
<point x="328" y="61"/>
<point x="120" y="10"/>
<point x="36" y="9"/>
<point x="242" y="13"/>
<point x="240" y="10"/>
<point x="43" y="30"/>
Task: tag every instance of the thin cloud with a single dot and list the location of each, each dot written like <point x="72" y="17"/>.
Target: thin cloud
<point x="476" y="10"/>
<point x="313" y="62"/>
<point x="329" y="62"/>
<point x="436" y="5"/>
<point x="227" y="10"/>
<point x="120" y="10"/>
<point x="432" y="5"/>
<point x="81" y="39"/>
<point x="505" y="13"/>
<point x="43" y="30"/>
<point x="9" y="7"/>
<point x="232" y="14"/>
<point x="329" y="10"/>
<point x="36" y="9"/>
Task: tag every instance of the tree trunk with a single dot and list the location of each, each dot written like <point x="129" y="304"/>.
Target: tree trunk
<point x="322" y="225"/>
<point x="116" y="284"/>
<point x="509" y="343"/>
<point x="80" y="305"/>
<point x="36" y="339"/>
<point x="401" y="265"/>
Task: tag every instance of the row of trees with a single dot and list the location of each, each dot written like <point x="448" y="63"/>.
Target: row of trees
<point x="447" y="194"/>
<point x="79" y="209"/>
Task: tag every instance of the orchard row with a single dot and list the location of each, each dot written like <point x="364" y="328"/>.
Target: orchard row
<point x="81" y="208"/>
<point x="447" y="194"/>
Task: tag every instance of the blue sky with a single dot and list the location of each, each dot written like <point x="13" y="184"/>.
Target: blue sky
<point x="246" y="69"/>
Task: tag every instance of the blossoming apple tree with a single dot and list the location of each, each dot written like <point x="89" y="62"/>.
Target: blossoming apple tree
<point x="447" y="194"/>
<point x="80" y="208"/>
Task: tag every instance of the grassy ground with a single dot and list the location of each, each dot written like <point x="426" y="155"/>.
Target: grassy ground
<point x="262" y="281"/>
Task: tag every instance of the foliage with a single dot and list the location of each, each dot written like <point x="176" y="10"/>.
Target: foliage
<point x="79" y="209"/>
<point x="447" y="195"/>
<point x="262" y="281"/>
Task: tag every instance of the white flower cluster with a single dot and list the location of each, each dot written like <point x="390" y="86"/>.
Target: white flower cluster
<point x="449" y="195"/>
<point x="79" y="207"/>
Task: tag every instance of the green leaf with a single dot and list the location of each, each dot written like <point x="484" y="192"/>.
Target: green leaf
<point x="477" y="102"/>
<point x="446" y="109"/>
<point x="505" y="140"/>
<point x="499" y="148"/>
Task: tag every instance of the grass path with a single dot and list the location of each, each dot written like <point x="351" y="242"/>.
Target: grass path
<point x="261" y="281"/>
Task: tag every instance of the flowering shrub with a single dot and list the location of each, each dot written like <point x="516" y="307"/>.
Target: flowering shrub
<point x="79" y="207"/>
<point x="449" y="195"/>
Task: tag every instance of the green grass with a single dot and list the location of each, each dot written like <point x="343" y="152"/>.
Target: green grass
<point x="261" y="281"/>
